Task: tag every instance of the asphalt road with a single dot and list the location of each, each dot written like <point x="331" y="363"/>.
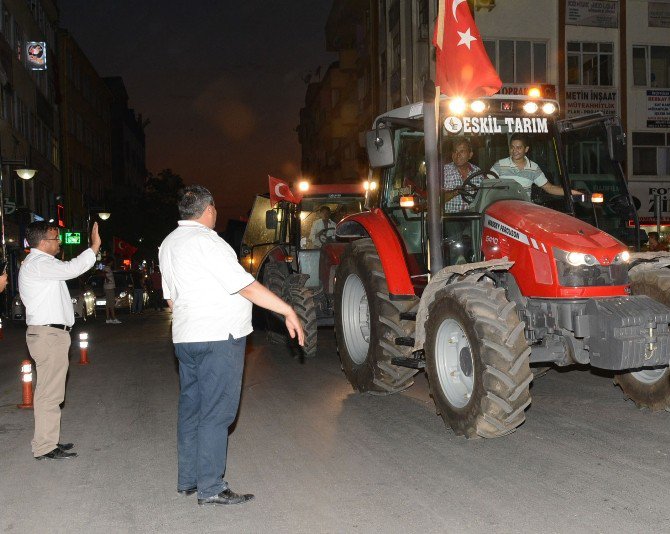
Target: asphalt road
<point x="321" y="458"/>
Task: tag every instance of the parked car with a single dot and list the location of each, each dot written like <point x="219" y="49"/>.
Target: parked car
<point x="123" y="291"/>
<point x="83" y="302"/>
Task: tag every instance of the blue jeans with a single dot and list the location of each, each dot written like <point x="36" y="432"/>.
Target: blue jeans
<point x="138" y="300"/>
<point x="210" y="378"/>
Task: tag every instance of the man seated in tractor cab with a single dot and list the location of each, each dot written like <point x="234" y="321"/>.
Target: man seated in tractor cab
<point x="457" y="233"/>
<point x="322" y="230"/>
<point x="455" y="173"/>
<point x="526" y="172"/>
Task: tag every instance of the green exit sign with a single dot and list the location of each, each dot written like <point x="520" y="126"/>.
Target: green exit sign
<point x="72" y="238"/>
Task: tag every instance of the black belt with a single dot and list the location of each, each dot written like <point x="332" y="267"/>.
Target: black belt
<point x="60" y="327"/>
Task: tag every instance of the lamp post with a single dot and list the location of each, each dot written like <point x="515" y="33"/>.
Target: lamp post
<point x="24" y="173"/>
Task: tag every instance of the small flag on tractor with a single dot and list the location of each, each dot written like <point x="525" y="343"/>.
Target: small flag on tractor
<point x="280" y="191"/>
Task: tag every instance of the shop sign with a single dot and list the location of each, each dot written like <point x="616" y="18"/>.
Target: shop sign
<point x="658" y="109"/>
<point x="585" y="100"/>
<point x="598" y="13"/>
<point x="658" y="14"/>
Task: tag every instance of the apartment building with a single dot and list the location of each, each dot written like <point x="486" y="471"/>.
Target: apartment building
<point x="29" y="119"/>
<point x="86" y="136"/>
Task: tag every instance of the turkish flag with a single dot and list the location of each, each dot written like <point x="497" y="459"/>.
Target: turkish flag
<point x="123" y="249"/>
<point x="280" y="190"/>
<point x="462" y="66"/>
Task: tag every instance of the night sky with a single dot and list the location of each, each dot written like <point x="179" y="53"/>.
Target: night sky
<point x="220" y="81"/>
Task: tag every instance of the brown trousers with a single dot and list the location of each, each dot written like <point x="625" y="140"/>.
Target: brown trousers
<point x="49" y="348"/>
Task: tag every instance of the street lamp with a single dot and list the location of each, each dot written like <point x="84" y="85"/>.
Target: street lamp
<point x="26" y="174"/>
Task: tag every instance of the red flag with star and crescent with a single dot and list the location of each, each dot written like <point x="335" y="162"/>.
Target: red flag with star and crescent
<point x="123" y="249"/>
<point x="462" y="66"/>
<point x="280" y="191"/>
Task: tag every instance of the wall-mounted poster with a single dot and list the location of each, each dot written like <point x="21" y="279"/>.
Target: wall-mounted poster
<point x="36" y="55"/>
<point x="598" y="13"/>
<point x="582" y="100"/>
<point x="658" y="109"/>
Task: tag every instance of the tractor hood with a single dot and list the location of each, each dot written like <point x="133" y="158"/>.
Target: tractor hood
<point x="552" y="228"/>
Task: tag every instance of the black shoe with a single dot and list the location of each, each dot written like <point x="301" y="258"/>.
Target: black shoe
<point x="57" y="454"/>
<point x="65" y="446"/>
<point x="187" y="492"/>
<point x="226" y="497"/>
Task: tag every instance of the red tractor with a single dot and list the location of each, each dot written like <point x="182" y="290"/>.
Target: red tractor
<point x="291" y="249"/>
<point x="518" y="277"/>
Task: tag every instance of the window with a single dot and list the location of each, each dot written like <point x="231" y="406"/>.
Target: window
<point x="518" y="61"/>
<point x="651" y="153"/>
<point x="590" y="63"/>
<point x="651" y="66"/>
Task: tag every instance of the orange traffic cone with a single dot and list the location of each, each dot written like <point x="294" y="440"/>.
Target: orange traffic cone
<point x="27" y="379"/>
<point x="83" y="349"/>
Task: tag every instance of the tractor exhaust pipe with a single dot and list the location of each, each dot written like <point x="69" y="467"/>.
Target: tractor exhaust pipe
<point x="433" y="175"/>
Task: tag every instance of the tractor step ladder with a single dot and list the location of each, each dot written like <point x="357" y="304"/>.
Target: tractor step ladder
<point x="415" y="362"/>
<point x="408" y="316"/>
<point x="404" y="341"/>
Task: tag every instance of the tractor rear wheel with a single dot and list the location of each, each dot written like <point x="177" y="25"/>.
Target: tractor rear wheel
<point x="302" y="301"/>
<point x="649" y="388"/>
<point x="367" y="322"/>
<point x="274" y="278"/>
<point x="477" y="359"/>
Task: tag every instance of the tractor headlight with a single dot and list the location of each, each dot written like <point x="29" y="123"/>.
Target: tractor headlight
<point x="579" y="258"/>
<point x="622" y="257"/>
<point x="578" y="269"/>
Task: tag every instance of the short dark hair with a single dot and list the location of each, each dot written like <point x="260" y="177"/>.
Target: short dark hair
<point x="654" y="235"/>
<point x="37" y="231"/>
<point x="461" y="141"/>
<point x="326" y="208"/>
<point x="193" y="200"/>
<point x="520" y="137"/>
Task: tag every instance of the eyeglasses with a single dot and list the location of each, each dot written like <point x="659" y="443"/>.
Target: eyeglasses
<point x="52" y="239"/>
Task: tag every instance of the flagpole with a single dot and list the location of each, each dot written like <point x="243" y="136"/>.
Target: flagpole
<point x="433" y="178"/>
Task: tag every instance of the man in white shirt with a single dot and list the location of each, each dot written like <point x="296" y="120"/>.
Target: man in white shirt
<point x="526" y="172"/>
<point x="322" y="229"/>
<point x="50" y="316"/>
<point x="210" y="296"/>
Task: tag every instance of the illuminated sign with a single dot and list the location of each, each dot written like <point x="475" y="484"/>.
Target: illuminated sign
<point x="72" y="238"/>
<point x="36" y="55"/>
<point x="490" y="124"/>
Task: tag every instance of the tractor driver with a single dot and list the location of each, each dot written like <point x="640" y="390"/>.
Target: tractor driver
<point x="458" y="239"/>
<point x="526" y="172"/>
<point x="322" y="229"/>
<point x="455" y="173"/>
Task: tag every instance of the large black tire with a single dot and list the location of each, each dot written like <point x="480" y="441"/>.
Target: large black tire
<point x="648" y="388"/>
<point x="274" y="278"/>
<point x="477" y="359"/>
<point x="367" y="322"/>
<point x="302" y="300"/>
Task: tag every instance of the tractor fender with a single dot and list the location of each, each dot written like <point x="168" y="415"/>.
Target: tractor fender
<point x="375" y="225"/>
<point x="443" y="278"/>
<point x="645" y="261"/>
<point x="330" y="259"/>
<point x="277" y="254"/>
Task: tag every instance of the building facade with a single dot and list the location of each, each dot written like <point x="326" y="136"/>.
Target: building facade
<point x="129" y="170"/>
<point x="86" y="138"/>
<point x="29" y="119"/>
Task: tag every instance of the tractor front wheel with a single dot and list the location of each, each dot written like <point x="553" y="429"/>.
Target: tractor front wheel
<point x="649" y="388"/>
<point x="477" y="359"/>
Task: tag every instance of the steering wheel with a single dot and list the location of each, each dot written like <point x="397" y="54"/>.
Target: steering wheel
<point x="468" y="190"/>
<point x="323" y="237"/>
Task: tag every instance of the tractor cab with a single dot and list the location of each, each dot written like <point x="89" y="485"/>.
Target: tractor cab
<point x="561" y="157"/>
